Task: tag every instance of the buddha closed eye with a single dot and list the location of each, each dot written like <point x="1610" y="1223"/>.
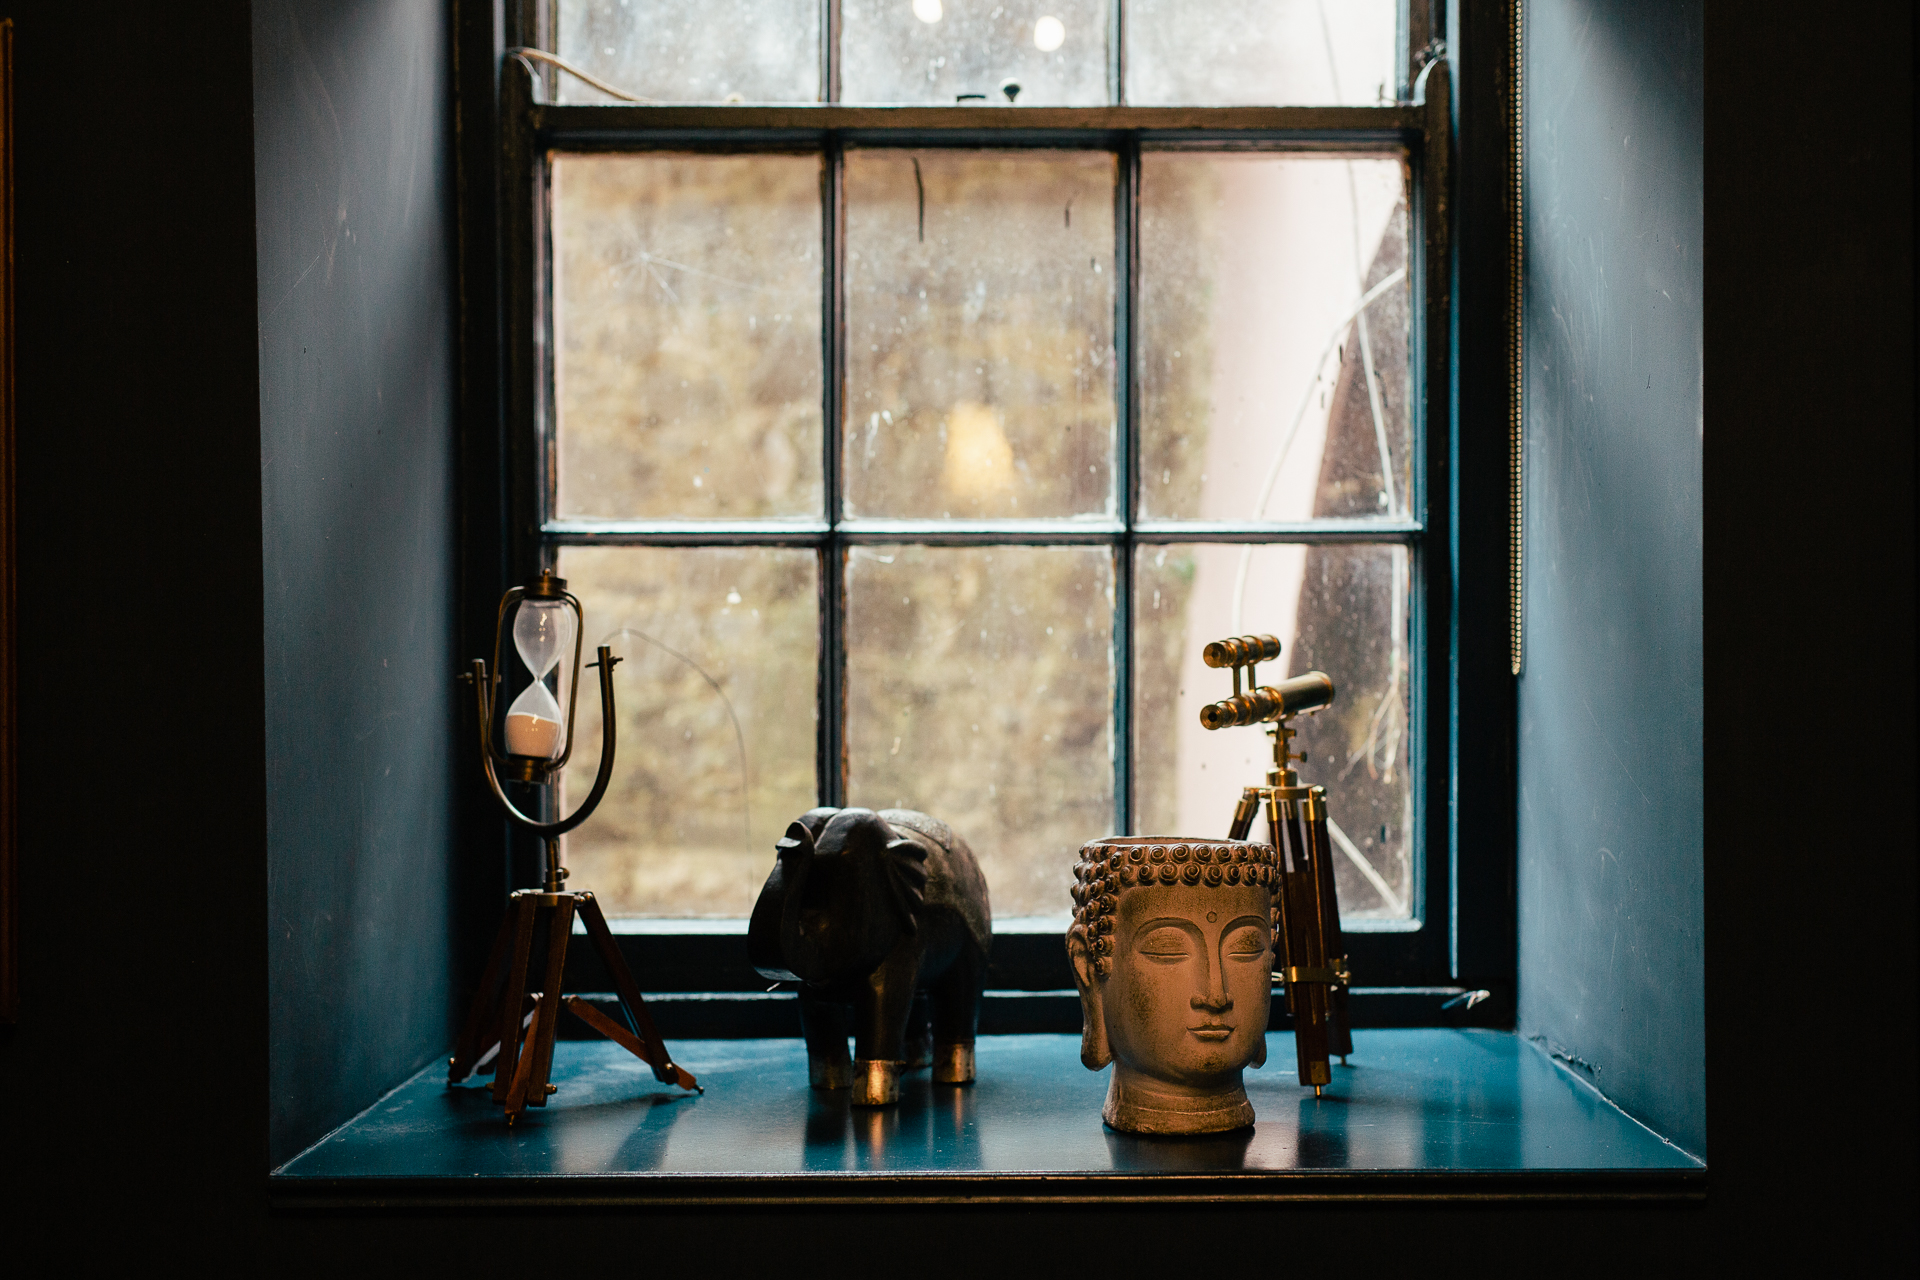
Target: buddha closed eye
<point x="1165" y="945"/>
<point x="1247" y="943"/>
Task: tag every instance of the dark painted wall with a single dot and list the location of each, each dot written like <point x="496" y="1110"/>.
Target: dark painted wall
<point x="352" y="110"/>
<point x="1611" y="905"/>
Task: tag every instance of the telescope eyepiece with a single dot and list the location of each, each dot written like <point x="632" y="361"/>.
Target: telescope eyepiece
<point x="1238" y="651"/>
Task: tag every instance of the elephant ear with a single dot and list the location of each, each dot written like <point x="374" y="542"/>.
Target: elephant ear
<point x="906" y="873"/>
<point x="793" y="855"/>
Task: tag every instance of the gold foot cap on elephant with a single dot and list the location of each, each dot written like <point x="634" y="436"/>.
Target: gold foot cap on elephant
<point x="953" y="1063"/>
<point x="876" y="1082"/>
<point x="825" y="1073"/>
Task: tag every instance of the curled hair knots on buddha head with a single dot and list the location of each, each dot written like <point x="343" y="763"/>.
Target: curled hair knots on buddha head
<point x="1108" y="868"/>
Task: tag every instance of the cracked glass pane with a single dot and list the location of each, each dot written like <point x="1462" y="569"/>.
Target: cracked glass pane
<point x="1273" y="327"/>
<point x="691" y="50"/>
<point x="1050" y="53"/>
<point x="716" y="695"/>
<point x="1314" y="53"/>
<point x="1338" y="609"/>
<point x="980" y="690"/>
<point x="980" y="298"/>
<point x="686" y="308"/>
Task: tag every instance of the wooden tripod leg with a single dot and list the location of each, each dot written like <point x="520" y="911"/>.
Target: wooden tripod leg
<point x="484" y="1013"/>
<point x="521" y="907"/>
<point x="516" y="1094"/>
<point x="656" y="1055"/>
<point x="1301" y="910"/>
<point x="559" y="929"/>
<point x="1320" y="850"/>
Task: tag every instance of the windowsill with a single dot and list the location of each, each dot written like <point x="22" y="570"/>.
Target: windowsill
<point x="1420" y="1114"/>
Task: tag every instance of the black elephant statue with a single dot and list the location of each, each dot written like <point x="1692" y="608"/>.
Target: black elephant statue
<point x="883" y="920"/>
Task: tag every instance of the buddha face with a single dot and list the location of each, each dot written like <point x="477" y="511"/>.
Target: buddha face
<point x="1172" y="950"/>
<point x="1186" y="1001"/>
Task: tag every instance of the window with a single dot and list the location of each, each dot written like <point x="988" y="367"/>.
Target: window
<point x="911" y="405"/>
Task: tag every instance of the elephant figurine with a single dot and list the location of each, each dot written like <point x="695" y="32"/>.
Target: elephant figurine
<point x="878" y="916"/>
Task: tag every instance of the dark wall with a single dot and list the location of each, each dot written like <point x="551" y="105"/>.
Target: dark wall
<point x="1611" y="753"/>
<point x="352" y="109"/>
<point x="142" y="776"/>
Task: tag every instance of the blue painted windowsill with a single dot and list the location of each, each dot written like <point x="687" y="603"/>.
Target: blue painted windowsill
<point x="1418" y="1113"/>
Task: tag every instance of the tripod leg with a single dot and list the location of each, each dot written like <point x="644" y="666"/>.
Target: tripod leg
<point x="655" y="1055"/>
<point x="1302" y="912"/>
<point x="484" y="1013"/>
<point x="515" y="996"/>
<point x="1243" y="813"/>
<point x="559" y="929"/>
<point x="1320" y="849"/>
<point x="516" y="1094"/>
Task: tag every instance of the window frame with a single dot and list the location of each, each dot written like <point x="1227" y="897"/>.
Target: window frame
<point x="1391" y="961"/>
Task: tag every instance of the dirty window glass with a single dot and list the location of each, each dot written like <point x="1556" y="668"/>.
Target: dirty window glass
<point x="1274" y="374"/>
<point x="691" y="50"/>
<point x="1049" y="53"/>
<point x="980" y="689"/>
<point x="980" y="372"/>
<point x="716" y="694"/>
<point x="686" y="310"/>
<point x="1324" y="53"/>
<point x="1338" y="609"/>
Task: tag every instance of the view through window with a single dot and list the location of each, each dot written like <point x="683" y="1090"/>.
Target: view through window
<point x="951" y="455"/>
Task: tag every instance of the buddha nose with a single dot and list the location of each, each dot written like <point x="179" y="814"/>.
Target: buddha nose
<point x="1215" y="998"/>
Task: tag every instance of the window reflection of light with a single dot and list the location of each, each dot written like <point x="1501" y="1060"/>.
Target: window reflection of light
<point x="927" y="10"/>
<point x="1048" y="33"/>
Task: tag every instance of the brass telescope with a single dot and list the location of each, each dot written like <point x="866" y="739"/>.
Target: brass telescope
<point x="1311" y="948"/>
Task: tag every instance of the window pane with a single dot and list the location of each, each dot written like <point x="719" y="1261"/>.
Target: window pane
<point x="980" y="303"/>
<point x="1274" y="53"/>
<point x="717" y="700"/>
<point x="1339" y="609"/>
<point x="930" y="51"/>
<point x="980" y="690"/>
<point x="692" y="50"/>
<point x="1264" y="393"/>
<point x="687" y="316"/>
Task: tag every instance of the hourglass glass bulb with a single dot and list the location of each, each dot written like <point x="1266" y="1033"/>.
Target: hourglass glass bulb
<point x="542" y="633"/>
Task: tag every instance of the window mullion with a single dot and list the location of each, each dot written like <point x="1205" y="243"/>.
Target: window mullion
<point x="1127" y="261"/>
<point x="831" y="764"/>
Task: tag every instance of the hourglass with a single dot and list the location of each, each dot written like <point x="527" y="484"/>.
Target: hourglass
<point x="508" y="1025"/>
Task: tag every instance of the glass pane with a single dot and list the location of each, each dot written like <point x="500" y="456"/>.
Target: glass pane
<point x="692" y="50"/>
<point x="1267" y="390"/>
<point x="687" y="335"/>
<point x="980" y="690"/>
<point x="1341" y="610"/>
<point x="1274" y="53"/>
<point x="979" y="334"/>
<point x="717" y="702"/>
<point x="1039" y="53"/>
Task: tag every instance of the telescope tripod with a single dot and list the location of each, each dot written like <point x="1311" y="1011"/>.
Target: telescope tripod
<point x="514" y="1027"/>
<point x="1313" y="951"/>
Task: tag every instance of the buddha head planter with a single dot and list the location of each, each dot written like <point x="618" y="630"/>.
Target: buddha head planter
<point x="1172" y="950"/>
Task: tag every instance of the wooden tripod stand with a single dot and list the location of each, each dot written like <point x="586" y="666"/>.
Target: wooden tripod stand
<point x="522" y="1060"/>
<point x="1312" y="948"/>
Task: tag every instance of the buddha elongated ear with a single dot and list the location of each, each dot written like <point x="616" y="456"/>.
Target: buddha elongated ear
<point x="1095" y="1052"/>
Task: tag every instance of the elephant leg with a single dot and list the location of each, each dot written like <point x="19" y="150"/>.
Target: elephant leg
<point x="824" y="1024"/>
<point x="920" y="1032"/>
<point x="880" y="1029"/>
<point x="956" y="1015"/>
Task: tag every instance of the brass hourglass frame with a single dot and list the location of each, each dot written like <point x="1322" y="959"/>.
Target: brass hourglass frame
<point x="535" y="770"/>
<point x="506" y="1018"/>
